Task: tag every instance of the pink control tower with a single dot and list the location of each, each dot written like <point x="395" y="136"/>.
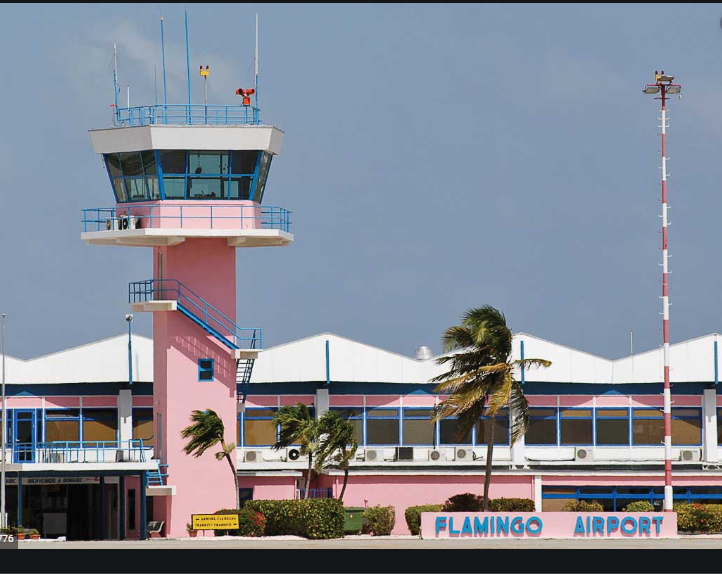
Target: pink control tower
<point x="189" y="183"/>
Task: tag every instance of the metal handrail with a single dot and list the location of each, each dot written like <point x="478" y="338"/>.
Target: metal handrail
<point x="271" y="216"/>
<point x="78" y="451"/>
<point x="142" y="291"/>
<point x="185" y="114"/>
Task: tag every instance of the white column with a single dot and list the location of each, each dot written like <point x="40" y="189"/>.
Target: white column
<point x="537" y="493"/>
<point x="125" y="415"/>
<point x="322" y="402"/>
<point x="709" y="420"/>
<point x="518" y="457"/>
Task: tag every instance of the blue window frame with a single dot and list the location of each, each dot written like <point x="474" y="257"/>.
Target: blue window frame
<point x="417" y="429"/>
<point x="354" y="415"/>
<point x="614" y="499"/>
<point x="686" y="426"/>
<point x="383" y="426"/>
<point x="612" y="426"/>
<point x="543" y="426"/>
<point x="99" y="425"/>
<point x="647" y="427"/>
<point x="448" y="433"/>
<point x="502" y="432"/>
<point x="576" y="426"/>
<point x="62" y="425"/>
<point x="257" y="428"/>
<point x="206" y="370"/>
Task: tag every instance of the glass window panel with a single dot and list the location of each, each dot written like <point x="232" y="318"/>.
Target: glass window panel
<point x="649" y="413"/>
<point x="536" y="412"/>
<point x="382" y="431"/>
<point x="612" y="413"/>
<point x="542" y="431"/>
<point x="120" y="192"/>
<point x="62" y="414"/>
<point x="686" y="431"/>
<point x="173" y="161"/>
<point x="418" y="432"/>
<point x="100" y="430"/>
<point x="240" y="188"/>
<point x="417" y="413"/>
<point x="153" y="187"/>
<point x="100" y="414"/>
<point x="62" y="430"/>
<point x="113" y="164"/>
<point x="205" y="188"/>
<point x="357" y="423"/>
<point x="208" y="163"/>
<point x="678" y="412"/>
<point x="259" y="432"/>
<point x="576" y="431"/>
<point x="448" y="433"/>
<point x="136" y="188"/>
<point x="262" y="176"/>
<point x="383" y="413"/>
<point x="143" y="429"/>
<point x="719" y="427"/>
<point x="260" y="413"/>
<point x="576" y="413"/>
<point x="174" y="187"/>
<point x="501" y="430"/>
<point x="244" y="162"/>
<point x="647" y="431"/>
<point x="149" y="166"/>
<point x="206" y="375"/>
<point x="613" y="431"/>
<point x="131" y="164"/>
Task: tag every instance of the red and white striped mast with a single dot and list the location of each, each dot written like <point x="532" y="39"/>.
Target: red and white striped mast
<point x="664" y="87"/>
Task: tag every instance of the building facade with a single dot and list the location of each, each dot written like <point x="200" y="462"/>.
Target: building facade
<point x="82" y="437"/>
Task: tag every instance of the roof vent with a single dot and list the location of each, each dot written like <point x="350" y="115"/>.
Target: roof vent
<point x="423" y="353"/>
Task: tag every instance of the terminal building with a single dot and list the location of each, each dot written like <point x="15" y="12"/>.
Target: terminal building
<point x="86" y="445"/>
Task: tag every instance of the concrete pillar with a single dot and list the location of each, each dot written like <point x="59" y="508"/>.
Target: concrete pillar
<point x="103" y="510"/>
<point x="20" y="499"/>
<point x="537" y="493"/>
<point x="322" y="402"/>
<point x="125" y="415"/>
<point x="121" y="507"/>
<point x="518" y="457"/>
<point x="709" y="426"/>
<point x="143" y="514"/>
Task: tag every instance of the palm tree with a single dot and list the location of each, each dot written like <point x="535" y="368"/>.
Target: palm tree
<point x="480" y="380"/>
<point x="298" y="427"/>
<point x="338" y="444"/>
<point x="205" y="432"/>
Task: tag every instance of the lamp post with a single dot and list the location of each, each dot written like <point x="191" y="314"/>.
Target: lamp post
<point x="129" y="319"/>
<point x="3" y="518"/>
<point x="664" y="87"/>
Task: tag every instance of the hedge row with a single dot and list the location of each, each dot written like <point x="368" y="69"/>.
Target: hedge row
<point x="315" y="518"/>
<point x="699" y="517"/>
<point x="379" y="520"/>
<point x="250" y="523"/>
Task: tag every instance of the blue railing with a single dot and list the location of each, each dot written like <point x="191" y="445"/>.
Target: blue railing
<point x="156" y="477"/>
<point x="314" y="493"/>
<point x="80" y="451"/>
<point x="187" y="115"/>
<point x="172" y="289"/>
<point x="201" y="216"/>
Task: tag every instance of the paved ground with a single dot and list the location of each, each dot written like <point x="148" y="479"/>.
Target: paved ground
<point x="382" y="542"/>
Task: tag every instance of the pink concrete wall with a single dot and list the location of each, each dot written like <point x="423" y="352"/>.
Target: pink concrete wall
<point x="402" y="491"/>
<point x="108" y="402"/>
<point x="295" y="399"/>
<point x="204" y="484"/>
<point x="62" y="402"/>
<point x="346" y="401"/>
<point x="142" y="401"/>
<point x="193" y="214"/>
<point x="24" y="402"/>
<point x="633" y="480"/>
<point x="270" y="487"/>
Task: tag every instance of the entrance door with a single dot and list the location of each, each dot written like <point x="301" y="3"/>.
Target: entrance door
<point x="23" y="435"/>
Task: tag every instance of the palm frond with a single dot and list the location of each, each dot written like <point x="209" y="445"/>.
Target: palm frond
<point x="206" y="431"/>
<point x="489" y="329"/>
<point x="532" y="363"/>
<point x="518" y="412"/>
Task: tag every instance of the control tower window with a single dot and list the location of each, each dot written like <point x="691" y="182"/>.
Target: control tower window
<point x="131" y="164"/>
<point x="244" y="162"/>
<point x="113" y="163"/>
<point x="262" y="176"/>
<point x="174" y="187"/>
<point x="173" y="162"/>
<point x="208" y="163"/>
<point x="206" y="188"/>
<point x="240" y="188"/>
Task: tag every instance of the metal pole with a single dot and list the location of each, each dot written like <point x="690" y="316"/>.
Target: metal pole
<point x="255" y="64"/>
<point x="115" y="80"/>
<point x="162" y="49"/>
<point x="328" y="364"/>
<point x="3" y="521"/>
<point x="188" y="68"/>
<point x="631" y="342"/>
<point x="668" y="492"/>
<point x="129" y="319"/>
<point x="155" y="83"/>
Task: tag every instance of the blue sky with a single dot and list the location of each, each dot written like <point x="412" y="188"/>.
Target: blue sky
<point x="436" y="157"/>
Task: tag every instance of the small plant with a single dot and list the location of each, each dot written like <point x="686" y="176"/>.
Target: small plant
<point x="511" y="505"/>
<point x="466" y="502"/>
<point x="34" y="534"/>
<point x="699" y="517"/>
<point x="20" y="532"/>
<point x="639" y="506"/>
<point x="413" y="516"/>
<point x="583" y="506"/>
<point x="380" y="520"/>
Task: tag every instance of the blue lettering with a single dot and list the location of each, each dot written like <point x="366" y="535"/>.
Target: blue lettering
<point x="589" y="524"/>
<point x="481" y="526"/>
<point x="612" y="524"/>
<point x="466" y="528"/>
<point x="529" y="523"/>
<point x="598" y="525"/>
<point x="517" y="525"/>
<point x="440" y="523"/>
<point x="451" y="526"/>
<point x="579" y="528"/>
<point x="629" y="520"/>
<point x="502" y="524"/>
<point x="644" y="524"/>
<point x="658" y="523"/>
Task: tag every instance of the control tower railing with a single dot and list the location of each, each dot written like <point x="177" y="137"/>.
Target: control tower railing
<point x="186" y="115"/>
<point x="186" y="216"/>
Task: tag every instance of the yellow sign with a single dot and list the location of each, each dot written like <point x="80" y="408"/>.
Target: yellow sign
<point x="214" y="521"/>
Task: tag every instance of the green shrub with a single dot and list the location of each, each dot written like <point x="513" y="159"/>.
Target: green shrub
<point x="699" y="517"/>
<point x="583" y="506"/>
<point x="467" y="502"/>
<point x="316" y="518"/>
<point x="250" y="523"/>
<point x="639" y="506"/>
<point x="413" y="516"/>
<point x="511" y="505"/>
<point x="380" y="520"/>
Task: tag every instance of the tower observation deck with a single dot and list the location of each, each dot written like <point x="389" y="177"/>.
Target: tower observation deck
<point x="189" y="181"/>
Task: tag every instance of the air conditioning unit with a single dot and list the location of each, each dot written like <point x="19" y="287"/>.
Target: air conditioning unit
<point x="360" y="455"/>
<point x="293" y="454"/>
<point x="372" y="455"/>
<point x="275" y="455"/>
<point x="690" y="455"/>
<point x="583" y="454"/>
<point x="435" y="455"/>
<point x="124" y="222"/>
<point x="253" y="456"/>
<point x="390" y="454"/>
<point x="463" y="454"/>
<point x="405" y="453"/>
<point x="111" y="224"/>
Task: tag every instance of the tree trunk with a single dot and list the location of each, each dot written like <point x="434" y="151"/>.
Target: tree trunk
<point x="489" y="454"/>
<point x="235" y="475"/>
<point x="308" y="476"/>
<point x="345" y="480"/>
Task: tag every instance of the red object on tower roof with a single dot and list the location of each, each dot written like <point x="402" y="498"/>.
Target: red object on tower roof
<point x="246" y="94"/>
